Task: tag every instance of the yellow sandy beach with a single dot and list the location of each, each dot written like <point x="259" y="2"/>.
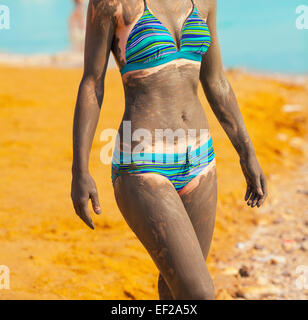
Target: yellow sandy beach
<point x="50" y="252"/>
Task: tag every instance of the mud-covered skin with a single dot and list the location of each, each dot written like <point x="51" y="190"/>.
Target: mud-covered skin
<point x="147" y="105"/>
<point x="176" y="231"/>
<point x="176" y="228"/>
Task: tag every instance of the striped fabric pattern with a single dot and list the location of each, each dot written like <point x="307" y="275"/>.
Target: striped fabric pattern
<point x="150" y="41"/>
<point x="195" y="34"/>
<point x="179" y="169"/>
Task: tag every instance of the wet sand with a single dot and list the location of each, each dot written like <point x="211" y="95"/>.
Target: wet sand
<point x="53" y="255"/>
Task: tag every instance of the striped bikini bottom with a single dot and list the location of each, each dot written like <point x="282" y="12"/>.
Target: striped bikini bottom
<point x="178" y="168"/>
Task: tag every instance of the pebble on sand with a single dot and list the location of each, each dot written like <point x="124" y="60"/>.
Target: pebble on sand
<point x="242" y="245"/>
<point x="278" y="260"/>
<point x="258" y="246"/>
<point x="292" y="108"/>
<point x="230" y="271"/>
<point x="244" y="272"/>
<point x="260" y="292"/>
<point x="270" y="258"/>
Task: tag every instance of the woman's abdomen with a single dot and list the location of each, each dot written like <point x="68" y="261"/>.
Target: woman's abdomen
<point x="163" y="106"/>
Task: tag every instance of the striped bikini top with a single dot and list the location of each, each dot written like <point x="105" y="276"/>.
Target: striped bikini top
<point x="150" y="43"/>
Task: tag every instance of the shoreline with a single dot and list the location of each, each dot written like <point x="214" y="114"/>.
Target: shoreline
<point x="71" y="59"/>
<point x="64" y="60"/>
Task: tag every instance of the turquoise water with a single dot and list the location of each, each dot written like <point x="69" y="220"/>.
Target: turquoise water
<point x="256" y="34"/>
<point x="262" y="35"/>
<point x="36" y="26"/>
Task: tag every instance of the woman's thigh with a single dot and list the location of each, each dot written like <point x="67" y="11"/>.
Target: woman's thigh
<point x="200" y="201"/>
<point x="156" y="214"/>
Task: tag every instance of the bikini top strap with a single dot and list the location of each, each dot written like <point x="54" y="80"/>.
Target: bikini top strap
<point x="145" y="4"/>
<point x="193" y="3"/>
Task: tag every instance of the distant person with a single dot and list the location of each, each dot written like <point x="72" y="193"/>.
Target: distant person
<point x="77" y="25"/>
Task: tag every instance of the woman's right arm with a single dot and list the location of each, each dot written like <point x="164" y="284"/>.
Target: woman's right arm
<point x="100" y="31"/>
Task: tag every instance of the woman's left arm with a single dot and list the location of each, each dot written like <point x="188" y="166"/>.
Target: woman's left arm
<point x="223" y="103"/>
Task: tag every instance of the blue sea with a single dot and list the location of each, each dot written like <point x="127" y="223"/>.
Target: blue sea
<point x="258" y="35"/>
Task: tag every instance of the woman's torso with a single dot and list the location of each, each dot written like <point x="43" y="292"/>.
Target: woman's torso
<point x="165" y="96"/>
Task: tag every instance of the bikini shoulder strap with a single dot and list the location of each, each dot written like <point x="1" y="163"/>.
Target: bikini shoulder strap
<point x="145" y="4"/>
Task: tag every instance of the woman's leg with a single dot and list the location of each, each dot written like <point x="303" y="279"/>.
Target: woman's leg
<point x="200" y="199"/>
<point x="155" y="212"/>
<point x="200" y="204"/>
<point x="164" y="292"/>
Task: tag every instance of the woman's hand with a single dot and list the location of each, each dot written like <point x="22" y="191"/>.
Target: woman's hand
<point x="256" y="181"/>
<point x="84" y="188"/>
